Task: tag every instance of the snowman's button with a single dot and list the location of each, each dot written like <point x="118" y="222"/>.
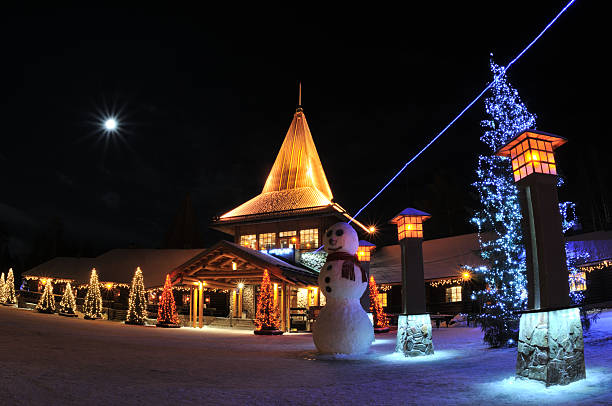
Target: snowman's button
<point x="327" y="289"/>
<point x="327" y="279"/>
<point x="329" y="267"/>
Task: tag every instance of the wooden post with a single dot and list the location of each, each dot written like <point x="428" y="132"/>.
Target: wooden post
<point x="201" y="304"/>
<point x="282" y="299"/>
<point x="275" y="294"/>
<point x="240" y="304"/>
<point x="195" y="306"/>
<point x="190" y="305"/>
<point x="234" y="303"/>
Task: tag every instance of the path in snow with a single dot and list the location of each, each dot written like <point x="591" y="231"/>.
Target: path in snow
<point x="51" y="360"/>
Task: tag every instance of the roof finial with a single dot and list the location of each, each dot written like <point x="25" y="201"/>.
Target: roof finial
<point x="299" y="106"/>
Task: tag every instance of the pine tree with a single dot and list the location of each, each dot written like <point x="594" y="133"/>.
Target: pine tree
<point x="266" y="318"/>
<point x="379" y="317"/>
<point x="46" y="304"/>
<point x="137" y="309"/>
<point x="2" y="283"/>
<point x="8" y="294"/>
<point x="166" y="312"/>
<point x="92" y="307"/>
<point x="67" y="305"/>
<point x="499" y="219"/>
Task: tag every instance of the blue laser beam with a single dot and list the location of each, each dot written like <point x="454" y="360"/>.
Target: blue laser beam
<point x="467" y="107"/>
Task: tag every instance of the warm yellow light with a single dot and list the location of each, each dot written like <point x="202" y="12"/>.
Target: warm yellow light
<point x="372" y="229"/>
<point x="275" y="286"/>
<point x="109" y="285"/>
<point x="294" y="239"/>
<point x="240" y="285"/>
<point x="466" y="275"/>
<point x="234" y="266"/>
<point x="43" y="281"/>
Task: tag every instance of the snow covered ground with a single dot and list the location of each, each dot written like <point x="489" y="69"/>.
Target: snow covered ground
<point x="51" y="360"/>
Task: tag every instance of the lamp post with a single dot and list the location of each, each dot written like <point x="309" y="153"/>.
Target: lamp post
<point x="414" y="324"/>
<point x="364" y="252"/>
<point x="550" y="347"/>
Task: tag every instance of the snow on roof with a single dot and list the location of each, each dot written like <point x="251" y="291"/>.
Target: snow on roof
<point x="117" y="265"/>
<point x="296" y="180"/>
<point x="598" y="244"/>
<point x="442" y="258"/>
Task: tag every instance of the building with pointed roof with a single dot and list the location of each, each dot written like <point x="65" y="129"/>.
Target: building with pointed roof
<point x="296" y="204"/>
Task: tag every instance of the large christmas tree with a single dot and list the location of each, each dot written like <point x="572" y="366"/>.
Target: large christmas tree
<point x="267" y="318"/>
<point x="9" y="296"/>
<point x="379" y="318"/>
<point x="46" y="304"/>
<point x="67" y="306"/>
<point x="166" y="312"/>
<point x="137" y="304"/>
<point x="92" y="306"/>
<point x="499" y="219"/>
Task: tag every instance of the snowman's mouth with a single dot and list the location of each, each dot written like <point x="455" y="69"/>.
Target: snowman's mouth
<point x="334" y="249"/>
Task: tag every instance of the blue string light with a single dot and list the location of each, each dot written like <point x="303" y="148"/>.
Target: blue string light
<point x="467" y="107"/>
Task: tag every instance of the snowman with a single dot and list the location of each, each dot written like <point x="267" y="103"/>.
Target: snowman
<point x="343" y="327"/>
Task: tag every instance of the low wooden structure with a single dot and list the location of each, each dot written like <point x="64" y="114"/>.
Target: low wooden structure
<point x="238" y="270"/>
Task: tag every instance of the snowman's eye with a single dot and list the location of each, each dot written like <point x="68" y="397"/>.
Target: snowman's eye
<point x="329" y="233"/>
<point x="339" y="232"/>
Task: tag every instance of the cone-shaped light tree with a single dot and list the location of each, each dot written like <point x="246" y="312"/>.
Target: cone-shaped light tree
<point x="166" y="312"/>
<point x="137" y="309"/>
<point x="267" y="318"/>
<point x="2" y="288"/>
<point x="67" y="306"/>
<point x="9" y="288"/>
<point x="381" y="324"/>
<point x="93" y="299"/>
<point x="46" y="304"/>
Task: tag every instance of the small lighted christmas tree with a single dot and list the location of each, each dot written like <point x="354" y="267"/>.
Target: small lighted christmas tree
<point x="166" y="312"/>
<point x="266" y="319"/>
<point x="2" y="288"/>
<point x="137" y="309"/>
<point x="8" y="288"/>
<point x="93" y="299"/>
<point x="381" y="324"/>
<point x="67" y="306"/>
<point x="46" y="304"/>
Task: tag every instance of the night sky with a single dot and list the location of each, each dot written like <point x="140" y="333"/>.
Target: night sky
<point x="206" y="97"/>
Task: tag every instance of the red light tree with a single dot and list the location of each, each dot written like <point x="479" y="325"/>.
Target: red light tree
<point x="381" y="324"/>
<point x="266" y="319"/>
<point x="166" y="312"/>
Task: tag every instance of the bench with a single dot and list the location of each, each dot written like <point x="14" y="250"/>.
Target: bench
<point x="438" y="318"/>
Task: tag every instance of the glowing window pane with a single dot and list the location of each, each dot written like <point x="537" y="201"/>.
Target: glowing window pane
<point x="453" y="294"/>
<point x="249" y="240"/>
<point x="309" y="238"/>
<point x="545" y="168"/>
<point x="553" y="169"/>
<point x="551" y="158"/>
<point x="549" y="146"/>
<point x="267" y="241"/>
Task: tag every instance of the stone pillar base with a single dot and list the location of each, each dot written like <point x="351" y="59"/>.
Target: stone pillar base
<point x="551" y="347"/>
<point x="414" y="335"/>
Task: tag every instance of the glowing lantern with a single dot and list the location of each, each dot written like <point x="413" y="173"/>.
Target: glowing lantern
<point x="410" y="223"/>
<point x="532" y="152"/>
<point x="364" y="250"/>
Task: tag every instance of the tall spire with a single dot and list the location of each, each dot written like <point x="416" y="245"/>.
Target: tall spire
<point x="299" y="106"/>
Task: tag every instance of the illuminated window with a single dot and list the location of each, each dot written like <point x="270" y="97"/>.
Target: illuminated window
<point x="309" y="238"/>
<point x="267" y="241"/>
<point x="453" y="294"/>
<point x="363" y="253"/>
<point x="382" y="297"/>
<point x="532" y="155"/>
<point x="578" y="281"/>
<point x="249" y="241"/>
<point x="409" y="227"/>
<point x="287" y="239"/>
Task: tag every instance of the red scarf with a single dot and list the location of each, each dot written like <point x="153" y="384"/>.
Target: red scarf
<point x="348" y="266"/>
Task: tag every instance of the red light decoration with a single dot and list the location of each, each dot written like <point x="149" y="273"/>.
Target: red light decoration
<point x="267" y="317"/>
<point x="381" y="324"/>
<point x="166" y="312"/>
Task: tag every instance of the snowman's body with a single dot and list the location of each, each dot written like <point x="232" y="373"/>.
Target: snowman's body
<point x="342" y="327"/>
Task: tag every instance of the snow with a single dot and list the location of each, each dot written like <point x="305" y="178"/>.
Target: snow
<point x="48" y="359"/>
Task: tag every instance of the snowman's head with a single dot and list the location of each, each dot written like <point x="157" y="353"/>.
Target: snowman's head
<point x="341" y="237"/>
